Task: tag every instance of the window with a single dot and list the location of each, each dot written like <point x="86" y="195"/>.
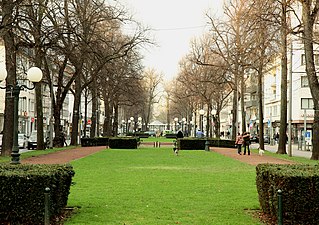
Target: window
<point x="303" y="59"/>
<point x="304" y="81"/>
<point x="306" y="103"/>
<point x="316" y="59"/>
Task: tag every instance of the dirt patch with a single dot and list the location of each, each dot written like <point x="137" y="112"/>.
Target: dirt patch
<point x="63" y="157"/>
<point x="252" y="159"/>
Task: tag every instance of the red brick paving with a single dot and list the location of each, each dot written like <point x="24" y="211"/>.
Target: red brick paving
<point x="252" y="159"/>
<point x="63" y="157"/>
<point x="67" y="156"/>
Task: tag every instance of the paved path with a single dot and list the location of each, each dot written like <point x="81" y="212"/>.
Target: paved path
<point x="252" y="159"/>
<point x="62" y="157"/>
<point x="67" y="156"/>
<point x="295" y="151"/>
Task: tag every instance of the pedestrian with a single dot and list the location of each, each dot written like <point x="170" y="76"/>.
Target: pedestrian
<point x="246" y="142"/>
<point x="177" y="142"/>
<point x="239" y="142"/>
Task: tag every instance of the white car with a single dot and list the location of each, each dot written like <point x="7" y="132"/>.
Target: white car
<point x="22" y="141"/>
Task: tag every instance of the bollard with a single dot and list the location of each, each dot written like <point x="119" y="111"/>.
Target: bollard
<point x="206" y="145"/>
<point x="46" y="206"/>
<point x="280" y="221"/>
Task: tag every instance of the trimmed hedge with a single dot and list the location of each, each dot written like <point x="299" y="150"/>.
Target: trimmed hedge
<point x="170" y="135"/>
<point x="300" y="192"/>
<point x="124" y="143"/>
<point x="141" y="135"/>
<point x="22" y="190"/>
<point x="99" y="141"/>
<point x="199" y="143"/>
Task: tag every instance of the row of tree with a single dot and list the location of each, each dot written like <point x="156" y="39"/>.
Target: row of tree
<point x="81" y="48"/>
<point x="251" y="36"/>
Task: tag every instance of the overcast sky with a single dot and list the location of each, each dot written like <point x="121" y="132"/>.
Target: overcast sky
<point x="175" y="23"/>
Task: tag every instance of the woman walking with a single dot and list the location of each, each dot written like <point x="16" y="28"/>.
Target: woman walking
<point x="239" y="142"/>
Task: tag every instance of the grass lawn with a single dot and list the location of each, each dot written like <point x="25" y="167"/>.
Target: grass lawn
<point x="153" y="186"/>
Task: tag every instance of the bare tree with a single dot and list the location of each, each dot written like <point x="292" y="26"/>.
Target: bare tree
<point x="309" y="18"/>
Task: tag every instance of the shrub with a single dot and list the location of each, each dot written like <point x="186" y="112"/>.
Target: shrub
<point x="141" y="135"/>
<point x="124" y="143"/>
<point x="199" y="143"/>
<point x="97" y="141"/>
<point x="300" y="191"/>
<point x="171" y="135"/>
<point x="22" y="191"/>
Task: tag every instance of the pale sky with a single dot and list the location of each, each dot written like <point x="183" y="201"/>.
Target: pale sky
<point x="175" y="23"/>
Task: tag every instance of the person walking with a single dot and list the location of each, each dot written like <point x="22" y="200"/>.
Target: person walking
<point x="239" y="142"/>
<point x="246" y="142"/>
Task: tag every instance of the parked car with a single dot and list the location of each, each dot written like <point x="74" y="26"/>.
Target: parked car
<point x="266" y="140"/>
<point x="22" y="141"/>
<point x="254" y="138"/>
<point x="150" y="133"/>
<point x="32" y="140"/>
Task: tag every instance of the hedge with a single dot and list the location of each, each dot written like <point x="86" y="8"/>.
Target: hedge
<point x="300" y="192"/>
<point x="124" y="143"/>
<point x="99" y="141"/>
<point x="199" y="143"/>
<point x="22" y="190"/>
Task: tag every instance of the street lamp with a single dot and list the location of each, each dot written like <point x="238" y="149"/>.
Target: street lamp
<point x="201" y="113"/>
<point x="132" y="122"/>
<point x="34" y="75"/>
<point x="175" y="120"/>
<point x="191" y="124"/>
<point x="140" y="125"/>
<point x="128" y="126"/>
<point x="184" y="124"/>
<point x="213" y="112"/>
<point x="123" y="127"/>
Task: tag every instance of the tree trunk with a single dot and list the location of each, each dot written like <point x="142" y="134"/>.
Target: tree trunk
<point x="235" y="105"/>
<point x="94" y="129"/>
<point x="76" y="108"/>
<point x="242" y="103"/>
<point x="115" y="123"/>
<point x="284" y="71"/>
<point x="308" y="22"/>
<point x="260" y="108"/>
<point x="38" y="98"/>
<point x="10" y="51"/>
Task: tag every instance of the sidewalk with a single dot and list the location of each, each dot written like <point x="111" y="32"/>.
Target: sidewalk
<point x="295" y="151"/>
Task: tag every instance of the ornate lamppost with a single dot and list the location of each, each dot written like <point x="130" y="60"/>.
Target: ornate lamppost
<point x="140" y="124"/>
<point x="184" y="125"/>
<point x="175" y="120"/>
<point x="34" y="75"/>
<point x="123" y="127"/>
<point x="201" y="113"/>
<point x="132" y="124"/>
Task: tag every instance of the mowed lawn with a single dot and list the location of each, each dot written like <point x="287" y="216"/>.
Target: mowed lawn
<point x="153" y="186"/>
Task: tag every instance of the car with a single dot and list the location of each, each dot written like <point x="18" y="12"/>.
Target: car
<point x="254" y="138"/>
<point x="266" y="140"/>
<point x="22" y="141"/>
<point x="150" y="133"/>
<point x="32" y="140"/>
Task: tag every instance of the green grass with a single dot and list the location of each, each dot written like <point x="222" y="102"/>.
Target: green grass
<point x="153" y="186"/>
